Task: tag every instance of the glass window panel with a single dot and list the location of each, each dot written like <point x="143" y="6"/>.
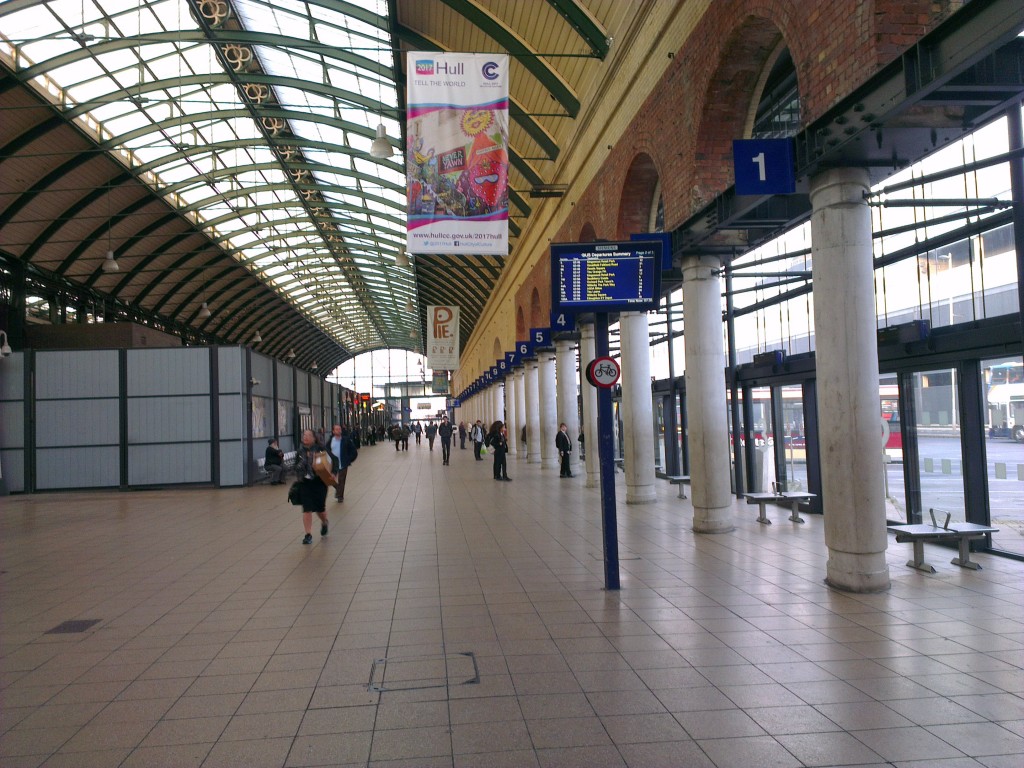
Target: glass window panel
<point x="1002" y="387"/>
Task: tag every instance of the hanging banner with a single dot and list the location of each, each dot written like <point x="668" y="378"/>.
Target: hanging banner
<point x="457" y="164"/>
<point x="442" y="337"/>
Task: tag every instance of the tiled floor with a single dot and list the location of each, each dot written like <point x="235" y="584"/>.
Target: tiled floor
<point x="222" y="641"/>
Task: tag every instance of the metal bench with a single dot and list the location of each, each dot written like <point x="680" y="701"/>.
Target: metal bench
<point x="679" y="480"/>
<point x="962" y="533"/>
<point x="775" y="496"/>
<point x="262" y="474"/>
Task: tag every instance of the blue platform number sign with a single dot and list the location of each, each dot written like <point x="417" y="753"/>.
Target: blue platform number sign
<point x="523" y="349"/>
<point x="764" y="166"/>
<point x="563" y="322"/>
<point x="510" y="360"/>
<point x="541" y="337"/>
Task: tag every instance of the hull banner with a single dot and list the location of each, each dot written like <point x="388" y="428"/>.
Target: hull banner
<point x="442" y="337"/>
<point x="457" y="164"/>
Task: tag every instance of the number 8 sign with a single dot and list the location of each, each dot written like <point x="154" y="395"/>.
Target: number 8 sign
<point x="603" y="372"/>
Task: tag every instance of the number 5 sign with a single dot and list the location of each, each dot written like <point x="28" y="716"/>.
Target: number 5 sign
<point x="764" y="166"/>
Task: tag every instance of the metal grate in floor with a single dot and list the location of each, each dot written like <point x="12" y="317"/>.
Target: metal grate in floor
<point x="73" y="626"/>
<point x="410" y="673"/>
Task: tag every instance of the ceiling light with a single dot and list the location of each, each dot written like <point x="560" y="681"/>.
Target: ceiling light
<point x="110" y="264"/>
<point x="313" y="366"/>
<point x="290" y="355"/>
<point x="414" y="334"/>
<point x="204" y="312"/>
<point x="5" y="348"/>
<point x="402" y="259"/>
<point x="256" y="338"/>
<point x="381" y="147"/>
<point x="409" y="307"/>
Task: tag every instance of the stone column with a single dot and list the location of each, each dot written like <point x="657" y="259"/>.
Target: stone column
<point x="548" y="409"/>
<point x="637" y="409"/>
<point x="566" y="382"/>
<point x="532" y="412"/>
<point x="588" y="393"/>
<point x="705" y="396"/>
<point x="846" y="352"/>
<point x="512" y="421"/>
<point x="499" y="401"/>
<point x="520" y="404"/>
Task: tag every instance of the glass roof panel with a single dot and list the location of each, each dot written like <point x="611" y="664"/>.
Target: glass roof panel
<point x="161" y="101"/>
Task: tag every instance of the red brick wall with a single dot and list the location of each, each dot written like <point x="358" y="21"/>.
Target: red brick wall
<point x="684" y="131"/>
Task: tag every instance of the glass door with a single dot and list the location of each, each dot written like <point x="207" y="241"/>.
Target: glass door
<point x="938" y="445"/>
<point x="1002" y="391"/>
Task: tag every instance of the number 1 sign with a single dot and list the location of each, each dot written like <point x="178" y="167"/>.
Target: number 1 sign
<point x="764" y="166"/>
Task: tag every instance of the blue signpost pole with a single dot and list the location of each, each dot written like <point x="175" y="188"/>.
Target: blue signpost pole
<point x="605" y="456"/>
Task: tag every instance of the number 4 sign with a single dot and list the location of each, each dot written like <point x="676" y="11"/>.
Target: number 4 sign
<point x="764" y="166"/>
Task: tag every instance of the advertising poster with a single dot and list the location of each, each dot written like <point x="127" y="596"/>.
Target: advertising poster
<point x="442" y="337"/>
<point x="457" y="164"/>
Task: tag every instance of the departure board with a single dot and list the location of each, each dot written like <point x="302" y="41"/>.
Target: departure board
<point x="606" y="276"/>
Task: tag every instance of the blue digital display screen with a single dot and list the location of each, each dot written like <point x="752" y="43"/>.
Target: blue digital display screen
<point x="606" y="276"/>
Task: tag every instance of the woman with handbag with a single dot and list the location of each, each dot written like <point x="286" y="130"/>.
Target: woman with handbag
<point x="312" y="488"/>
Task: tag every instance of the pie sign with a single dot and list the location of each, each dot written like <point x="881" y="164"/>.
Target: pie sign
<point x="603" y="372"/>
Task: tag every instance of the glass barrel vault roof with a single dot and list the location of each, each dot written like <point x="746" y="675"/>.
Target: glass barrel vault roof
<point x="254" y="119"/>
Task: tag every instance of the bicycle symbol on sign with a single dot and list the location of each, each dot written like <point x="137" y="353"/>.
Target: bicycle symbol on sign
<point x="603" y="372"/>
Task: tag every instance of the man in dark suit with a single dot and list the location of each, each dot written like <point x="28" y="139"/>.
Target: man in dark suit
<point x="273" y="462"/>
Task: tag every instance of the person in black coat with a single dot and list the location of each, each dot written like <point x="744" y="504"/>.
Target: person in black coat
<point x="564" y="446"/>
<point x="497" y="441"/>
<point x="445" y="433"/>
<point x="312" y="490"/>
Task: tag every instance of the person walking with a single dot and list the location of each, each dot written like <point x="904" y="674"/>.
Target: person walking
<point x="497" y="441"/>
<point x="444" y="431"/>
<point x="405" y="437"/>
<point x="312" y="490"/>
<point x="462" y="435"/>
<point x="431" y="433"/>
<point x="564" y="445"/>
<point x="478" y="439"/>
<point x="343" y="452"/>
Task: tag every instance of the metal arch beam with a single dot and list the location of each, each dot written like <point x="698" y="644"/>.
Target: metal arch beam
<point x="241" y="319"/>
<point x="181" y="152"/>
<point x="29" y="195"/>
<point x="124" y="213"/>
<point x="586" y="26"/>
<point x="60" y="220"/>
<point x="153" y="226"/>
<point x="93" y="196"/>
<point x="19" y="142"/>
<point x="227" y="173"/>
<point x="530" y="59"/>
<point x="533" y="129"/>
<point x="179" y="263"/>
<point x="184" y="282"/>
<point x="242" y="113"/>
<point x="133" y="93"/>
<point x="198" y="37"/>
<point x="277" y="187"/>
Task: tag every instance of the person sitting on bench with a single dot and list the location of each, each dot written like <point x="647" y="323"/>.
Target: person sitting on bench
<point x="273" y="464"/>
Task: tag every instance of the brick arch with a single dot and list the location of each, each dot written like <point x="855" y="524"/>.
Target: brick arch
<point x="638" y="197"/>
<point x="521" y="328"/>
<point x="498" y="351"/>
<point x="730" y="90"/>
<point x="536" y="315"/>
<point x="587" y="233"/>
